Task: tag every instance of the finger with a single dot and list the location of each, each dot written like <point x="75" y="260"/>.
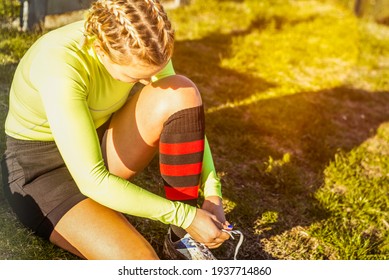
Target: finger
<point x="214" y="218"/>
<point x="223" y="237"/>
<point x="216" y="243"/>
<point x="218" y="224"/>
<point x="227" y="225"/>
<point x="213" y="245"/>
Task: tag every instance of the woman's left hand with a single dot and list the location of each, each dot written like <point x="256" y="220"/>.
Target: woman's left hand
<point x="214" y="205"/>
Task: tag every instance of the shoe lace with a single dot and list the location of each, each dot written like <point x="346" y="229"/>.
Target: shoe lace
<point x="231" y="232"/>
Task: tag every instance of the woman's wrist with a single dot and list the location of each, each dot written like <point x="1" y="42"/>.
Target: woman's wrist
<point x="186" y="216"/>
<point x="214" y="199"/>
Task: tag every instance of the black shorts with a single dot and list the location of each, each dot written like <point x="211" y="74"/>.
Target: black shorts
<point x="37" y="184"/>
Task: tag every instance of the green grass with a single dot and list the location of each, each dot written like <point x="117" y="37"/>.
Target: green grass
<point x="296" y="96"/>
<point x="9" y="10"/>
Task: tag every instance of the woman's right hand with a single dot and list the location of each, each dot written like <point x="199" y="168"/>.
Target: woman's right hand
<point x="206" y="228"/>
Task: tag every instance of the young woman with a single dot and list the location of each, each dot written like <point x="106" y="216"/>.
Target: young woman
<point x="76" y="136"/>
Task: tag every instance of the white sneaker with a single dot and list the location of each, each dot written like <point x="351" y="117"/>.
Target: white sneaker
<point x="186" y="249"/>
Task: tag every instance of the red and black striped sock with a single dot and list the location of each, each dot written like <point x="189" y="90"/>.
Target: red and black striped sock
<point x="181" y="150"/>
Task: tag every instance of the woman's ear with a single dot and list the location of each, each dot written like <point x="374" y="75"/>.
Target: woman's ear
<point x="98" y="49"/>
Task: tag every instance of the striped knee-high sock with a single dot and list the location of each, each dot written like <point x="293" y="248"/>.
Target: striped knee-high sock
<point x="181" y="150"/>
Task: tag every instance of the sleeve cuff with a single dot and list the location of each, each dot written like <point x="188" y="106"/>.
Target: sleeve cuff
<point x="212" y="185"/>
<point x="185" y="214"/>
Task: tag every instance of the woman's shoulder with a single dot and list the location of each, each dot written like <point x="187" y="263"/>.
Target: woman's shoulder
<point x="52" y="54"/>
<point x="61" y="45"/>
<point x="64" y="36"/>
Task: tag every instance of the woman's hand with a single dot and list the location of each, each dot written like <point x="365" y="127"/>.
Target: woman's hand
<point x="206" y="228"/>
<point x="214" y="205"/>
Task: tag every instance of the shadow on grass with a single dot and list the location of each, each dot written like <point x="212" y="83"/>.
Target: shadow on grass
<point x="311" y="127"/>
<point x="269" y="196"/>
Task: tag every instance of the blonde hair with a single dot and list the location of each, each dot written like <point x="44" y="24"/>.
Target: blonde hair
<point x="127" y="28"/>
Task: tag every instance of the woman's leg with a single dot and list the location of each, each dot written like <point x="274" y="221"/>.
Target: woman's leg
<point x="135" y="130"/>
<point x="93" y="231"/>
<point x="96" y="232"/>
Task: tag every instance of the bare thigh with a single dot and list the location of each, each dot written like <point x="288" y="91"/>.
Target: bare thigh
<point x="93" y="231"/>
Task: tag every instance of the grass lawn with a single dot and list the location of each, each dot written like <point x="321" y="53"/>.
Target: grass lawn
<point x="297" y="106"/>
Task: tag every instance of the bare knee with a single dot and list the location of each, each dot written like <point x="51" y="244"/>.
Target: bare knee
<point x="135" y="129"/>
<point x="177" y="92"/>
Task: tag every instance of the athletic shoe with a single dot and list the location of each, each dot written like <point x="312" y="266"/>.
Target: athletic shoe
<point x="186" y="249"/>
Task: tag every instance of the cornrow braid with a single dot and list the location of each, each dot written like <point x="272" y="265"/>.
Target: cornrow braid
<point x="127" y="28"/>
<point x="159" y="14"/>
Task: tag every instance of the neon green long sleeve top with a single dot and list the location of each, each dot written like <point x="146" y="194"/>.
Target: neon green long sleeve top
<point x="61" y="92"/>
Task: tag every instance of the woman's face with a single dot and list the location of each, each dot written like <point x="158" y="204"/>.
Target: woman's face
<point x="129" y="73"/>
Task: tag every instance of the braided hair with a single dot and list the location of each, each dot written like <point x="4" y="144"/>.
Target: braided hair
<point x="127" y="28"/>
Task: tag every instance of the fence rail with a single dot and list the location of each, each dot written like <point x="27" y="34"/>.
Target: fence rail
<point x="30" y="14"/>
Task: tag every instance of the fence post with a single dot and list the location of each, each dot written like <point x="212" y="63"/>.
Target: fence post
<point x="32" y="14"/>
<point x="358" y="8"/>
